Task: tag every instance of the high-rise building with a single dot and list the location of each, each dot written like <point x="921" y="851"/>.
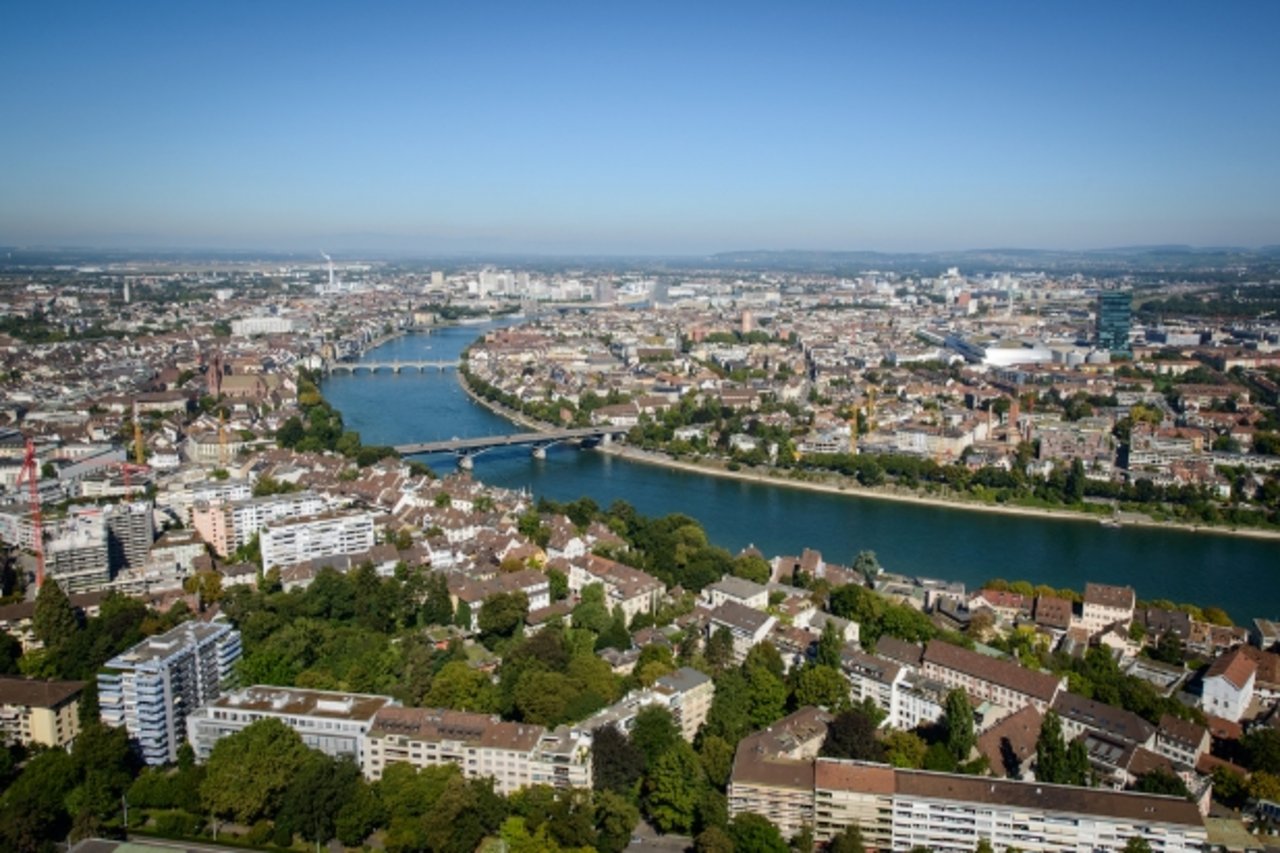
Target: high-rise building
<point x="151" y="688"/>
<point x="1113" y="320"/>
<point x="78" y="557"/>
<point x="130" y="533"/>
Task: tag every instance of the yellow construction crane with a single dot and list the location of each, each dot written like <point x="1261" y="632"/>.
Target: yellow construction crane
<point x="139" y="447"/>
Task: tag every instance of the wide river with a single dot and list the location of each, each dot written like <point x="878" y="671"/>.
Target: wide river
<point x="1239" y="574"/>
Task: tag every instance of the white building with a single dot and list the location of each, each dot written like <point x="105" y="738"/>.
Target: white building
<point x="150" y="689"/>
<point x="328" y="534"/>
<point x="1228" y="686"/>
<point x="331" y="722"/>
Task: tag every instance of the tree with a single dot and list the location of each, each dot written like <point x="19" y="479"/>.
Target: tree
<point x="460" y="687"/>
<point x="1262" y="749"/>
<point x="766" y="694"/>
<point x="822" y="686"/>
<point x="867" y="565"/>
<point x="559" y="584"/>
<point x="248" y="773"/>
<point x="755" y="833"/>
<point x="958" y="722"/>
<point x="437" y="609"/>
<point x="716" y="755"/>
<point x="615" y="634"/>
<point x="830" y="644"/>
<point x="1137" y="844"/>
<point x="719" y="651"/>
<point x="852" y="734"/>
<point x="904" y="749"/>
<point x="848" y="841"/>
<point x="502" y="614"/>
<point x="615" y="819"/>
<point x="673" y="787"/>
<point x="316" y="794"/>
<point x="1161" y="781"/>
<point x="462" y="616"/>
<point x="654" y="732"/>
<point x="1051" y="750"/>
<point x="752" y="567"/>
<point x="713" y="839"/>
<point x="54" y="619"/>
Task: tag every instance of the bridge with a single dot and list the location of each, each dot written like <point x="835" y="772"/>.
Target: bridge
<point x="465" y="448"/>
<point x="388" y="366"/>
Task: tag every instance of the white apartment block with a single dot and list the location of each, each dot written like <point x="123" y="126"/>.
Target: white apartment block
<point x="228" y="525"/>
<point x="514" y="755"/>
<point x="329" y="534"/>
<point x="151" y="688"/>
<point x="909" y="809"/>
<point x="333" y="723"/>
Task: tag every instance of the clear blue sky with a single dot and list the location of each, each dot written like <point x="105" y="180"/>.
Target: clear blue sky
<point x="606" y="127"/>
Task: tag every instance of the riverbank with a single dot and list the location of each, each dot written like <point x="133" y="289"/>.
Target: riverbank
<point x="851" y="488"/>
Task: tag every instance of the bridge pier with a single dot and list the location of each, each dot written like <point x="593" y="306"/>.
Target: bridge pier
<point x="539" y="452"/>
<point x="465" y="462"/>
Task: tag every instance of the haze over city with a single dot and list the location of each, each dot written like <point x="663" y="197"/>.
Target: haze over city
<point x="645" y="128"/>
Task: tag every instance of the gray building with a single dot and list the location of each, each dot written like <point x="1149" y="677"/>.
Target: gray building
<point x="152" y="688"/>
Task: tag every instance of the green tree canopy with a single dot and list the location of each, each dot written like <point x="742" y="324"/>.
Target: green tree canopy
<point x="248" y="773"/>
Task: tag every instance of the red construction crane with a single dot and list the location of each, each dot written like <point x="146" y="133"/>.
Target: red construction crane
<point x="31" y="473"/>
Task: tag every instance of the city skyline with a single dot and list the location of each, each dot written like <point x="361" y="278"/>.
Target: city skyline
<point x="662" y="130"/>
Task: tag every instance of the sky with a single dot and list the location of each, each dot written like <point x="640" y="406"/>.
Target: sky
<point x="639" y="127"/>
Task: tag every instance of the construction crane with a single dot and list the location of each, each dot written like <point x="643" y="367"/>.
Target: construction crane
<point x="31" y="473"/>
<point x="139" y="448"/>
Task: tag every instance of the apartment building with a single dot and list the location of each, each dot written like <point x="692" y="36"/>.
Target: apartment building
<point x="230" y="524"/>
<point x="332" y="722"/>
<point x="78" y="557"/>
<point x="39" y="713"/>
<point x="130" y="532"/>
<point x="327" y="534"/>
<point x="748" y="627"/>
<point x="514" y="755"/>
<point x="151" y="688"/>
<point x="685" y="693"/>
<point x="624" y="586"/>
<point x="952" y="813"/>
<point x="1000" y="682"/>
<point x="1106" y="605"/>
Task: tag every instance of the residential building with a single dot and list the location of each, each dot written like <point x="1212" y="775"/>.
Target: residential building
<point x="230" y="524"/>
<point x="151" y="688"/>
<point x="1001" y="682"/>
<point x="332" y="722"/>
<point x="687" y="693"/>
<point x="748" y="627"/>
<point x="908" y="809"/>
<point x="1080" y="715"/>
<point x="130" y="532"/>
<point x="78" y="559"/>
<point x="744" y="592"/>
<point x="1181" y="741"/>
<point x="39" y="713"/>
<point x="1106" y="605"/>
<point x="514" y="755"/>
<point x="327" y="534"/>
<point x="624" y="586"/>
<point x="1228" y="685"/>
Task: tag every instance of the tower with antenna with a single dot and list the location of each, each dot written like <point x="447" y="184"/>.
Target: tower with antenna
<point x="332" y="288"/>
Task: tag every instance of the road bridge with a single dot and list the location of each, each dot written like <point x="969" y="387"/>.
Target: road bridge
<point x="388" y="366"/>
<point x="539" y="441"/>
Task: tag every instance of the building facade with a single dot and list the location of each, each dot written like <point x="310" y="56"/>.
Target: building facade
<point x="39" y="713"/>
<point x="151" y="688"/>
<point x="333" y="723"/>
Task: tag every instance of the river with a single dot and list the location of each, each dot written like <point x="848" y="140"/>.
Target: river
<point x="1239" y="574"/>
